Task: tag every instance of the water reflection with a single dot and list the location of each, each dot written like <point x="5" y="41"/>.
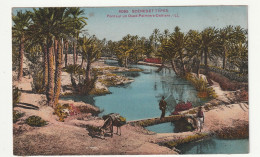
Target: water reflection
<point x="140" y="99"/>
<point x="198" y="147"/>
<point x="215" y="146"/>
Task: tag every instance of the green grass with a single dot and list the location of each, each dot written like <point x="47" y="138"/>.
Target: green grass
<point x="202" y="87"/>
<point x="36" y="121"/>
<point x="184" y="140"/>
<point x="17" y="115"/>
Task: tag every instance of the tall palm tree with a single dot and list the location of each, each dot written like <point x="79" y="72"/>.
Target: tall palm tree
<point x="79" y="22"/>
<point x="193" y="48"/>
<point x="209" y="43"/>
<point x="225" y="35"/>
<point x="178" y="40"/>
<point x="155" y="34"/>
<point x="21" y="23"/>
<point x="91" y="52"/>
<point x="124" y="49"/>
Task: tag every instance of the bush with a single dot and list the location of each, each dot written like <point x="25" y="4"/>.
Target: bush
<point x="17" y="115"/>
<point x="204" y="91"/>
<point x="65" y="110"/>
<point x="60" y="111"/>
<point x="224" y="82"/>
<point x="182" y="107"/>
<point x="243" y="95"/>
<point x="35" y="121"/>
<point x="16" y="95"/>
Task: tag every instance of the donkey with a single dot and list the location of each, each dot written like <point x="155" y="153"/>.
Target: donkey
<point x="112" y="119"/>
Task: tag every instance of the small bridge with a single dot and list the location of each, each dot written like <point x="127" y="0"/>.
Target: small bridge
<point x="157" y="120"/>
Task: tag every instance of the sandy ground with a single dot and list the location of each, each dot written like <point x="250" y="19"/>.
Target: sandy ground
<point x="71" y="138"/>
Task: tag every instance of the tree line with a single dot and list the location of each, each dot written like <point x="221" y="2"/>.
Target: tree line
<point x="46" y="36"/>
<point x="186" y="51"/>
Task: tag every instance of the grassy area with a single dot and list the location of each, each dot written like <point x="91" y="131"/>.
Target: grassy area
<point x="96" y="91"/>
<point x="204" y="91"/>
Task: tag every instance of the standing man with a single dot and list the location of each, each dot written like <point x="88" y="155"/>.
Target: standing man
<point x="162" y="105"/>
<point x="200" y="116"/>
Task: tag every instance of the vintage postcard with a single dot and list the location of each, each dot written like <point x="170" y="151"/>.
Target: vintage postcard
<point x="130" y="80"/>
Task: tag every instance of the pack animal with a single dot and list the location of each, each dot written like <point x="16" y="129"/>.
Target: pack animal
<point x="111" y="120"/>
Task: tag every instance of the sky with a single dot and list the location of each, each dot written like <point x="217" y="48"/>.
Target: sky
<point x="113" y="23"/>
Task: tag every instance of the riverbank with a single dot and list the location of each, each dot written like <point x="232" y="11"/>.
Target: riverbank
<point x="71" y="137"/>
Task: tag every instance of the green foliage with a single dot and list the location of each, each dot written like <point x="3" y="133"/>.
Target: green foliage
<point x="74" y="69"/>
<point x="16" y="95"/>
<point x="35" y="121"/>
<point x="17" y="115"/>
<point x="38" y="82"/>
<point x="59" y="111"/>
<point x="96" y="91"/>
<point x="201" y="86"/>
<point x="135" y="70"/>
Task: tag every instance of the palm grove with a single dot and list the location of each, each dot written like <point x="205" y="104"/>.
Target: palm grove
<point x="47" y="35"/>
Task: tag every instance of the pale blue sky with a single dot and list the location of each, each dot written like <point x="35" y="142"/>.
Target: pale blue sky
<point x="197" y="18"/>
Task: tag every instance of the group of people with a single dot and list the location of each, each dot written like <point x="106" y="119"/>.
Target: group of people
<point x="199" y="115"/>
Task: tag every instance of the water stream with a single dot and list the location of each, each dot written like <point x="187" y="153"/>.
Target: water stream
<point x="139" y="100"/>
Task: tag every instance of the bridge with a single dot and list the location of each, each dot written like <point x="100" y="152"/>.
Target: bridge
<point x="157" y="120"/>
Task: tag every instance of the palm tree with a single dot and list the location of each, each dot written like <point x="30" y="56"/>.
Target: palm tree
<point x="225" y="35"/>
<point x="155" y="34"/>
<point x="178" y="40"/>
<point x="91" y="52"/>
<point x="193" y="48"/>
<point x="21" y="23"/>
<point x="78" y="23"/>
<point x="209" y="43"/>
<point x="124" y="49"/>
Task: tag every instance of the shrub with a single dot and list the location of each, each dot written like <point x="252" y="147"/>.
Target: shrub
<point x="238" y="132"/>
<point x="36" y="121"/>
<point x="16" y="95"/>
<point x="60" y="111"/>
<point x="17" y="115"/>
<point x="204" y="91"/>
<point x="182" y="107"/>
<point x="243" y="95"/>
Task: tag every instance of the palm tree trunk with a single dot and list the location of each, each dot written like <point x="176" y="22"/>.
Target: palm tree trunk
<point x="88" y="72"/>
<point x="173" y="67"/>
<point x="66" y="54"/>
<point x="50" y="88"/>
<point x="57" y="87"/>
<point x="206" y="60"/>
<point x="224" y="59"/>
<point x="74" y="53"/>
<point x="182" y="65"/>
<point x="20" y="72"/>
<point x="82" y="61"/>
<point x="45" y="74"/>
<point x="198" y="67"/>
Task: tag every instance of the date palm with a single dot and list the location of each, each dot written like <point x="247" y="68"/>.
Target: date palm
<point x="193" y="48"/>
<point x="209" y="43"/>
<point x="91" y="52"/>
<point x="78" y="22"/>
<point x="124" y="49"/>
<point x="21" y="23"/>
<point x="225" y="36"/>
